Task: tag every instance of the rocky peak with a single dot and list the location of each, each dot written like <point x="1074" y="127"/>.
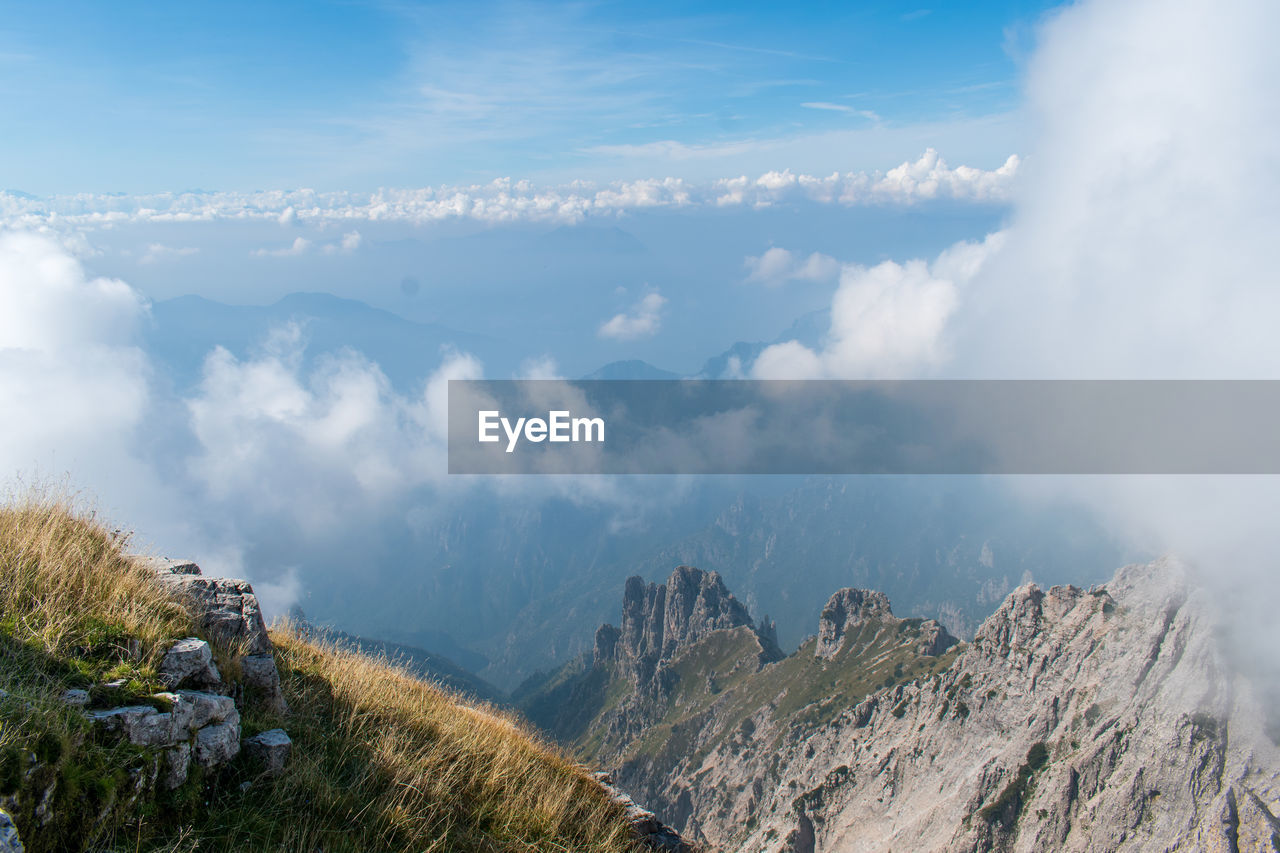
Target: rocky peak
<point x="845" y="610"/>
<point x="659" y="620"/>
<point x="849" y="609"/>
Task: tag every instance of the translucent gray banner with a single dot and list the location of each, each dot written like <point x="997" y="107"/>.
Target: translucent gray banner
<point x="864" y="427"/>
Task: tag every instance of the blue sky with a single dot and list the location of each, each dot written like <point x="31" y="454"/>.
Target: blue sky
<point x="133" y="97"/>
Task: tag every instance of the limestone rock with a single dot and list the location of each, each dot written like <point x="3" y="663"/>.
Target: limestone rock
<point x="209" y="719"/>
<point x="189" y="661"/>
<point x="218" y="743"/>
<point x="934" y="638"/>
<point x="260" y="673"/>
<point x="229" y="613"/>
<point x="269" y="750"/>
<point x="606" y="644"/>
<point x="1107" y="719"/>
<point x="845" y="611"/>
<point x="207" y="708"/>
<point x="658" y="621"/>
<point x="228" y="610"/>
<point x="9" y="840"/>
<point x="141" y="725"/>
<point x="166" y="566"/>
<point x="176" y="765"/>
<point x="645" y="826"/>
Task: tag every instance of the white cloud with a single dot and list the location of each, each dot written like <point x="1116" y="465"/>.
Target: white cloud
<point x="345" y="246"/>
<point x="49" y="305"/>
<point x="641" y="321"/>
<point x="930" y="177"/>
<point x="299" y="246"/>
<point x="159" y="252"/>
<point x="1143" y="238"/>
<point x="504" y="200"/>
<point x="1142" y="245"/>
<point x="777" y="266"/>
<point x="887" y="321"/>
<point x="263" y="450"/>
<point x="350" y="241"/>
<point x="313" y="446"/>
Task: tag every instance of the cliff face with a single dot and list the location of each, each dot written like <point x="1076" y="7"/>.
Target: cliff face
<point x="1091" y="720"/>
<point x="660" y="620"/>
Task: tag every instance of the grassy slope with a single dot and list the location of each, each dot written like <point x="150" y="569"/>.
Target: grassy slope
<point x="381" y="760"/>
<point x="421" y="663"/>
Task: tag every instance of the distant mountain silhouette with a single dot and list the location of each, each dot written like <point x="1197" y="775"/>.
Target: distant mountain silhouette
<point x="186" y="328"/>
<point x="632" y="369"/>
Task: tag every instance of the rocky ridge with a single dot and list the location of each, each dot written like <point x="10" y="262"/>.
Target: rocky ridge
<point x="1087" y="720"/>
<point x="689" y="670"/>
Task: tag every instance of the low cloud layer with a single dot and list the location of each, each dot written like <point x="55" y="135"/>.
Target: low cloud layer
<point x="504" y="200"/>
<point x="260" y="444"/>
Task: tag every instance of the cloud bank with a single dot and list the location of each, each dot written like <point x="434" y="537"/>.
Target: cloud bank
<point x="504" y="200"/>
<point x="263" y="449"/>
<point x="1141" y="245"/>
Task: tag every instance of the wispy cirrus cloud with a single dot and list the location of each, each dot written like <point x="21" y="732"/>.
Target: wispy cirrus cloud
<point x="830" y="107"/>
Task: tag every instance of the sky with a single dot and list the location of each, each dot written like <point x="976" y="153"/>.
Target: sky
<point x="238" y="96"/>
<point x="998" y="190"/>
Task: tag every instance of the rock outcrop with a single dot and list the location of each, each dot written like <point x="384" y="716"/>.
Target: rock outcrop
<point x="660" y="620"/>
<point x="846" y="609"/>
<point x="652" y="833"/>
<point x="230" y="614"/>
<point x="269" y="751"/>
<point x="197" y="723"/>
<point x="849" y="609"/>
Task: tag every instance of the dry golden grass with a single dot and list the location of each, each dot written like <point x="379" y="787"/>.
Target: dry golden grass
<point x="384" y="761"/>
<point x="381" y="761"/>
<point x="65" y="582"/>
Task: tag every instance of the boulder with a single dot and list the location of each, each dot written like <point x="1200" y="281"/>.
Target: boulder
<point x="141" y="725"/>
<point x="218" y="743"/>
<point x="176" y="764"/>
<point x="207" y="708"/>
<point x="189" y="661"/>
<point x="269" y="751"/>
<point x="260" y="673"/>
